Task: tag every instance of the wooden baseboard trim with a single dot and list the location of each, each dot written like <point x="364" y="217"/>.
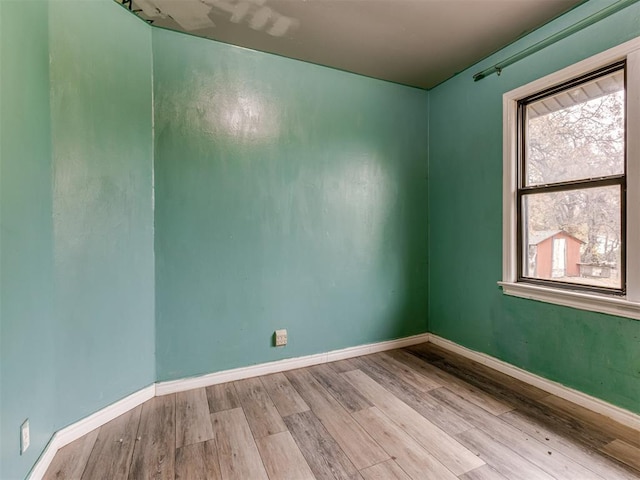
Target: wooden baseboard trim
<point x="174" y="386"/>
<point x="579" y="398"/>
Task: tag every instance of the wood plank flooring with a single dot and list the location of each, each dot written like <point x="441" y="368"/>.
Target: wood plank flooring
<point x="409" y="414"/>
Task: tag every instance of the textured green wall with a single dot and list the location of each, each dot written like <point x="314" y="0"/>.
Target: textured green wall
<point x="287" y="196"/>
<point x="27" y="372"/>
<point x="102" y="146"/>
<point x="594" y="353"/>
<point x="77" y="319"/>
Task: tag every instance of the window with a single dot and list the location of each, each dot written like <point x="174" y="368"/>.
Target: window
<point x="572" y="184"/>
<point x="571" y="200"/>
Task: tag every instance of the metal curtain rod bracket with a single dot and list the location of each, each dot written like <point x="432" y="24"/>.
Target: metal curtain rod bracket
<point x="556" y="37"/>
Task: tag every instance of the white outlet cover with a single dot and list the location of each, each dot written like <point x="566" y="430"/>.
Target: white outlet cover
<point x="25" y="437"/>
<point x="281" y="338"/>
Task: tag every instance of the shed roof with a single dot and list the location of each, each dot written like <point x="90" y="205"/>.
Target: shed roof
<point x="541" y="235"/>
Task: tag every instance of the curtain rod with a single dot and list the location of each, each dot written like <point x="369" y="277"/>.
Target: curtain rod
<point x="585" y="22"/>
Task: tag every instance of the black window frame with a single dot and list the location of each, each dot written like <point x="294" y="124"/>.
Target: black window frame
<point x="522" y="190"/>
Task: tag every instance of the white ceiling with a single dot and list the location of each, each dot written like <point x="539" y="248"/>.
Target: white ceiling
<point x="413" y="42"/>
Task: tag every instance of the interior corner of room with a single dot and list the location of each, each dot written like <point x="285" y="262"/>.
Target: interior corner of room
<point x="168" y="202"/>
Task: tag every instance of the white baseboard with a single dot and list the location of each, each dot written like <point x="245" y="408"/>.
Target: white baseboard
<point x="82" y="427"/>
<point x="587" y="401"/>
<point x="174" y="386"/>
<point x="74" y="431"/>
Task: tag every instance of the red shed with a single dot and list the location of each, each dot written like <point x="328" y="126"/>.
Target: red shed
<point x="554" y="254"/>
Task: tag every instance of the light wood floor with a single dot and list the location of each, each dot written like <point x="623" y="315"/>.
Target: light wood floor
<point x="415" y="413"/>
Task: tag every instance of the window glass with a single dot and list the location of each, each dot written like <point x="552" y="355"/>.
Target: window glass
<point x="572" y="183"/>
<point x="573" y="236"/>
<point x="577" y="133"/>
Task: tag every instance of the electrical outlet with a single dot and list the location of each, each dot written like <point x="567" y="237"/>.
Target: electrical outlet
<point x="25" y="437"/>
<point x="281" y="338"/>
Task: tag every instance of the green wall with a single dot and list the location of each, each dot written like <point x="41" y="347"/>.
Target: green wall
<point x="288" y="195"/>
<point x="27" y="372"/>
<point x="594" y="353"/>
<point x="311" y="184"/>
<point x="77" y="322"/>
<point x="102" y="146"/>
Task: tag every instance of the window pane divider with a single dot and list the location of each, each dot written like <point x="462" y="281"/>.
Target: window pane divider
<point x="576" y="184"/>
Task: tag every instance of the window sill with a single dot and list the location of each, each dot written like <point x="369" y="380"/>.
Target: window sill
<point x="618" y="306"/>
